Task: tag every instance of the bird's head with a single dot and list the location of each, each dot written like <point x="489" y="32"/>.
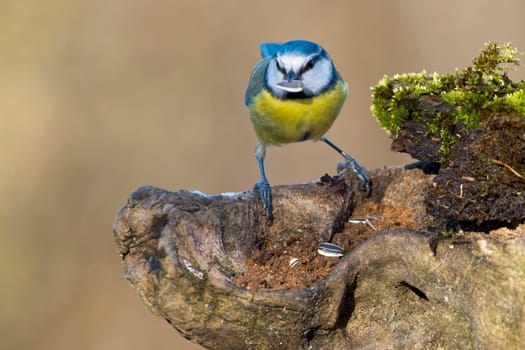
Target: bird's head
<point x="298" y="69"/>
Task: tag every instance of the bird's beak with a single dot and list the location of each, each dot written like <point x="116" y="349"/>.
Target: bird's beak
<point x="293" y="84"/>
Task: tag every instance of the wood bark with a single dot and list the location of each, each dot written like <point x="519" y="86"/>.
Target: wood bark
<point x="182" y="250"/>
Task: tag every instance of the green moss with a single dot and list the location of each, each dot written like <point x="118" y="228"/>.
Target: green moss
<point x="511" y="103"/>
<point x="473" y="95"/>
<point x="394" y="98"/>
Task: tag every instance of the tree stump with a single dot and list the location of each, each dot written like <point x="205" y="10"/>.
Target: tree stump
<point x="183" y="252"/>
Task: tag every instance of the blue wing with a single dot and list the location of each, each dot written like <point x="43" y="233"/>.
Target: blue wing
<point x="269" y="49"/>
<point x="256" y="83"/>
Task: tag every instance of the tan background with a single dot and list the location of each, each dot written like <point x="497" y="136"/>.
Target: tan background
<point x="99" y="97"/>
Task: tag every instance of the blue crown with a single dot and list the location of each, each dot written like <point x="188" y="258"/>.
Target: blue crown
<point x="301" y="47"/>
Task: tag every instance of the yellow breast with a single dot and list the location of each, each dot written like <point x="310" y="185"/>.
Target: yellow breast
<point x="283" y="121"/>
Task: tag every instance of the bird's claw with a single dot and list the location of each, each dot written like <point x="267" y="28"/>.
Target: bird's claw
<point x="360" y="172"/>
<point x="366" y="184"/>
<point x="265" y="191"/>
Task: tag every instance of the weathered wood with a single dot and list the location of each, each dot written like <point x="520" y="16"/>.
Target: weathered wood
<point x="182" y="250"/>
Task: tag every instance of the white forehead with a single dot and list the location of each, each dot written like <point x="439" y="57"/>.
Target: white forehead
<point x="293" y="62"/>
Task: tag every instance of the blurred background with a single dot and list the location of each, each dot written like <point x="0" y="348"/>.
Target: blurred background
<point x="100" y="97"/>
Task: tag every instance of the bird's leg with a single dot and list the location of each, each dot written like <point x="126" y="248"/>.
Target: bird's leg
<point x="265" y="191"/>
<point x="352" y="164"/>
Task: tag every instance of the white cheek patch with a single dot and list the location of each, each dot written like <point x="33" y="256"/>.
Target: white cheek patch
<point x="274" y="77"/>
<point x="319" y="77"/>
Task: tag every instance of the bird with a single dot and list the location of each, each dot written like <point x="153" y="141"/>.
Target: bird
<point x="295" y="94"/>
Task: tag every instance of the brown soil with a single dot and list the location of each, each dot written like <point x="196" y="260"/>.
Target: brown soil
<point x="398" y="201"/>
<point x="269" y="265"/>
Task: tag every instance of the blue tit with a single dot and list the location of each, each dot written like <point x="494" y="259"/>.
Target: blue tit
<point x="295" y="94"/>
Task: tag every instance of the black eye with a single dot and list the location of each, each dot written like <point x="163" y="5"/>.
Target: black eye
<point x="309" y="65"/>
<point x="279" y="67"/>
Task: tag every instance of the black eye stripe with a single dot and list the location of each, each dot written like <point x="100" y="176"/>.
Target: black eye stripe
<point x="309" y="65"/>
<point x="279" y="67"/>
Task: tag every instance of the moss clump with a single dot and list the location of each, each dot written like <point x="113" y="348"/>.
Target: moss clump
<point x="472" y="95"/>
<point x="471" y="122"/>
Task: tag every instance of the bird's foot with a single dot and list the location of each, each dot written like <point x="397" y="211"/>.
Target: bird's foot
<point x="360" y="172"/>
<point x="265" y="191"/>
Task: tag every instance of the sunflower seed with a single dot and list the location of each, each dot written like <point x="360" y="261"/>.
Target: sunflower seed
<point x="330" y="249"/>
<point x="294" y="262"/>
<point x="365" y="221"/>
